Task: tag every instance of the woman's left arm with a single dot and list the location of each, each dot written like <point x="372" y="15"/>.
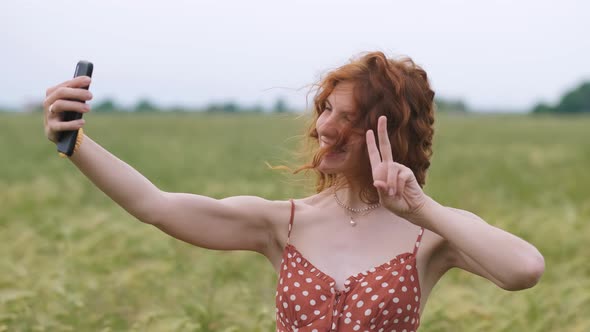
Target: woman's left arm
<point x="480" y="248"/>
<point x="472" y="244"/>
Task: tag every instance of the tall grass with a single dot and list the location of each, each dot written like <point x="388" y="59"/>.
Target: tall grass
<point x="72" y="260"/>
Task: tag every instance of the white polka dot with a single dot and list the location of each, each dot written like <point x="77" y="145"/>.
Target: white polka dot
<point x="356" y="327"/>
<point x="293" y="264"/>
<point x="391" y="291"/>
<point x="415" y="290"/>
<point x="355" y="296"/>
<point x="407" y="319"/>
<point x="308" y="280"/>
<point x="385" y="312"/>
<point x="409" y="307"/>
<point x="323" y="297"/>
<point x="300" y="272"/>
<point x="348" y="314"/>
<point x="292" y="297"/>
<point x="374" y="297"/>
<point x="316" y="312"/>
<point x="312" y="302"/>
<point x="364" y="284"/>
<point x="297" y="307"/>
<point x="314" y="330"/>
<point x="384" y="284"/>
<point x="303" y="317"/>
<point x="286" y="288"/>
<point x="399" y="310"/>
<point x="394" y="273"/>
<point x="347" y="321"/>
<point x="401" y="279"/>
<point x="381" y="305"/>
<point x="408" y="267"/>
<point x="368" y="312"/>
<point x="404" y="289"/>
<point x="368" y="290"/>
<point x="285" y="305"/>
<point x="318" y="287"/>
<point x="416" y="298"/>
<point x="305" y="293"/>
<point x="359" y="304"/>
<point x="372" y="270"/>
<point x="296" y="284"/>
<point x="395" y="300"/>
<point x="412" y="277"/>
<point x="379" y="278"/>
<point x="347" y="282"/>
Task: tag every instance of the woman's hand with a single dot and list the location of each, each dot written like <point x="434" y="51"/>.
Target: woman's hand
<point x="398" y="188"/>
<point x="67" y="96"/>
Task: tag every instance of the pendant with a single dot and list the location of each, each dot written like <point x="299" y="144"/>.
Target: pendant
<point x="352" y="222"/>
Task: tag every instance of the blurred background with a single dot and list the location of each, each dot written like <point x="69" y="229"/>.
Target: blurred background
<point x="198" y="96"/>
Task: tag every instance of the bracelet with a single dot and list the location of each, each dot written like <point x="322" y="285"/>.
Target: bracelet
<point x="77" y="145"/>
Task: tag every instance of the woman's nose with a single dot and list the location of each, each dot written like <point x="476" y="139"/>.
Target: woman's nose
<point x="329" y="126"/>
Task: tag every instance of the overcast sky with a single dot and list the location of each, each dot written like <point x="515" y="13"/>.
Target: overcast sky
<point x="492" y="54"/>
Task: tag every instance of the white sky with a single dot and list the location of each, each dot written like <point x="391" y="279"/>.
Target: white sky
<point x="492" y="54"/>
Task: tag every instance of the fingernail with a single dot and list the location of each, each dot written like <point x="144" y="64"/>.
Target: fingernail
<point x="391" y="192"/>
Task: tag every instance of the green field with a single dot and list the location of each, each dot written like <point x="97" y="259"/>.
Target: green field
<point x="72" y="260"/>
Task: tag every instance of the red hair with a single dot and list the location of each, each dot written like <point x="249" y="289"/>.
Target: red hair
<point x="396" y="88"/>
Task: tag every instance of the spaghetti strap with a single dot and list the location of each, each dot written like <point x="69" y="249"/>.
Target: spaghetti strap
<point x="291" y="220"/>
<point x="417" y="245"/>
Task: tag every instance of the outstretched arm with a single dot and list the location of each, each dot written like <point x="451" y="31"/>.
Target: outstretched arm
<point x="232" y="223"/>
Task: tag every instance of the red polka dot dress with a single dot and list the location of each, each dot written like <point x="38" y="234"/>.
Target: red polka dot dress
<point x="384" y="298"/>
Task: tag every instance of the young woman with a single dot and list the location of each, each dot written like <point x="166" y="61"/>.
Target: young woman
<point x="364" y="252"/>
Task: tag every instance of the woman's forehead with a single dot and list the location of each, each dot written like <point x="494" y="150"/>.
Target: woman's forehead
<point x="342" y="96"/>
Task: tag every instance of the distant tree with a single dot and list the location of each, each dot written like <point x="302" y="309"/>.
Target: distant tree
<point x="446" y="105"/>
<point x="145" y="105"/>
<point x="543" y="108"/>
<point x="575" y="101"/>
<point x="230" y="107"/>
<point x="106" y="105"/>
<point x="280" y="106"/>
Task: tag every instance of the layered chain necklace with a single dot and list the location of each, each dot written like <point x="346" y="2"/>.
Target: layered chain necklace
<point x="350" y="210"/>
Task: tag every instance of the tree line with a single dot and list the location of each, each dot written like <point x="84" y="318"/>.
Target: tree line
<point x="575" y="101"/>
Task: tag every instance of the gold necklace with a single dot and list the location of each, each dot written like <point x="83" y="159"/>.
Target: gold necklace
<point x="348" y="208"/>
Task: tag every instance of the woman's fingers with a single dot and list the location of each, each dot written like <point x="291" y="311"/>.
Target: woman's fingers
<point x="403" y="178"/>
<point x="384" y="145"/>
<point x="67" y="125"/>
<point x="374" y="157"/>
<point x="62" y="105"/>
<point x="77" y="82"/>
<point x="393" y="170"/>
<point x="67" y="96"/>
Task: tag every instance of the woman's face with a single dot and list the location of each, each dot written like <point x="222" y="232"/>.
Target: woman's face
<point x="338" y="115"/>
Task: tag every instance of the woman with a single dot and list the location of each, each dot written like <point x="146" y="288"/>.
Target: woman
<point x="364" y="252"/>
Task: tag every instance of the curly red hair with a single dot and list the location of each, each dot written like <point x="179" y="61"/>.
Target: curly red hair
<point x="396" y="88"/>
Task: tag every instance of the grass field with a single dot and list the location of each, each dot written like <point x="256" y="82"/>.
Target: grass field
<point x="72" y="260"/>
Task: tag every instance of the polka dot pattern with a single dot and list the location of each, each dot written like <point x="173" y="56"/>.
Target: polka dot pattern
<point x="384" y="298"/>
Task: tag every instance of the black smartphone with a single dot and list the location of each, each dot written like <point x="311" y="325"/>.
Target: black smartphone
<point x="66" y="140"/>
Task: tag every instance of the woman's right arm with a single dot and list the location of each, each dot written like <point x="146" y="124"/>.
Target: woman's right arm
<point x="234" y="223"/>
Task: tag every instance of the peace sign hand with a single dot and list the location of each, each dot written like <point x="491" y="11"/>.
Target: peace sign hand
<point x="398" y="188"/>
